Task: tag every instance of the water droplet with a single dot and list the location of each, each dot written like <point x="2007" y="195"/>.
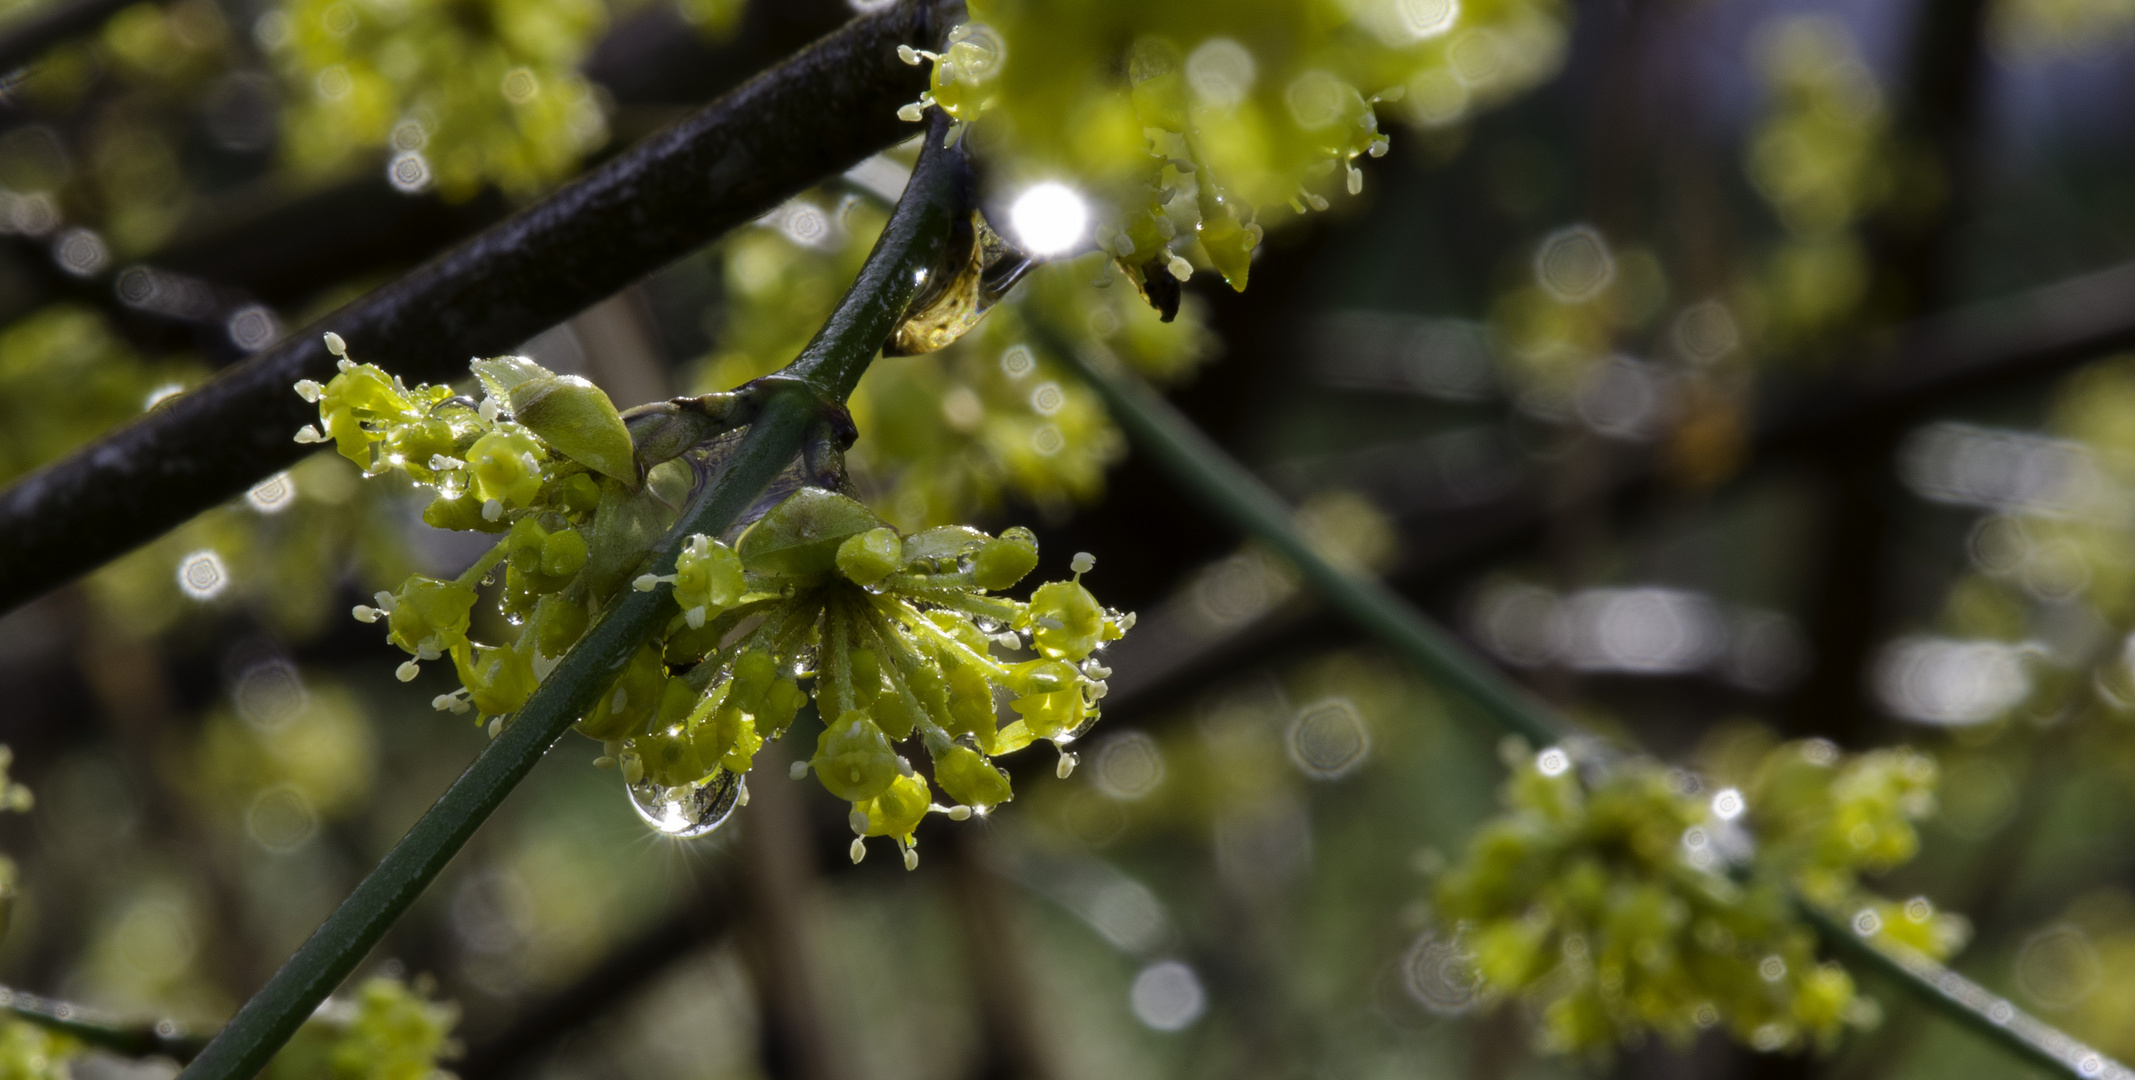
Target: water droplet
<point x="1553" y="762"/>
<point x="689" y="809"/>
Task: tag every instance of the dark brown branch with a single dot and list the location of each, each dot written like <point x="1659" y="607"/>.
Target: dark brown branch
<point x="808" y="118"/>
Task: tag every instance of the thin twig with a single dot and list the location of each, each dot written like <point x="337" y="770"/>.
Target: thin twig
<point x="798" y="399"/>
<point x="1205" y="472"/>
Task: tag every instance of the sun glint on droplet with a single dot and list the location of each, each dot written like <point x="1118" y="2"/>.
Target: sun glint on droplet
<point x="1049" y="219"/>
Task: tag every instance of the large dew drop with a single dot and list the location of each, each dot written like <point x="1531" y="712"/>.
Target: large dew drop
<point x="689" y="809"/>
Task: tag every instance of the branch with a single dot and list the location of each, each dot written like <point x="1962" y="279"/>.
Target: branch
<point x="912" y="243"/>
<point x="812" y="116"/>
<point x="92" y="1028"/>
<point x="1206" y="473"/>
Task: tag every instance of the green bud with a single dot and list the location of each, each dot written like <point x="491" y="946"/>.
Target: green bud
<point x="463" y="514"/>
<point x="577" y="493"/>
<point x="970" y="779"/>
<point x="563" y="554"/>
<point x="1005" y="560"/>
<point x="628" y="702"/>
<point x="871" y="556"/>
<point x="498" y="679"/>
<point x="898" y="811"/>
<point x="558" y="624"/>
<point x="1065" y="621"/>
<point x="429" y="612"/>
<point x="506" y="465"/>
<point x="853" y="759"/>
<point x="707" y="575"/>
<point x="800" y="537"/>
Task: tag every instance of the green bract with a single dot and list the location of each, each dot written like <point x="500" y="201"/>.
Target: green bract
<point x="1623" y="898"/>
<point x="897" y="633"/>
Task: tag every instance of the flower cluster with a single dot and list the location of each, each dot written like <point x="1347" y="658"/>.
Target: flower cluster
<point x="1200" y="122"/>
<point x="459" y="94"/>
<point x="897" y="632"/>
<point x="993" y="415"/>
<point x="388" y="1030"/>
<point x="1624" y="898"/>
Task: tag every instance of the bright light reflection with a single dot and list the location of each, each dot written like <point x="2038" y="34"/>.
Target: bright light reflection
<point x="1049" y="219"/>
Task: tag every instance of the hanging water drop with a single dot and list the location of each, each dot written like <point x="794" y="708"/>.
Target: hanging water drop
<point x="687" y="810"/>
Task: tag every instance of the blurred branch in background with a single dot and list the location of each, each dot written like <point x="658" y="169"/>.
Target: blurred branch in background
<point x="1202" y="469"/>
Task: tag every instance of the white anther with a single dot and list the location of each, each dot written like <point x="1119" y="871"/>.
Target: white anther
<point x="335" y="345"/>
<point x="408" y="671"/>
<point x="1008" y="639"/>
<point x="309" y="433"/>
<point x="633" y="769"/>
<point x="911" y="859"/>
<point x="1096" y="670"/>
<point x="442" y="463"/>
<point x="1180" y="268"/>
<point x="645" y="582"/>
<point x="858" y="820"/>
<point x="909" y="55"/>
<point x="1067" y="765"/>
<point x="604" y="762"/>
<point x="364" y="613"/>
<point x="345" y="364"/>
<point x="1356" y="180"/>
<point x="859" y="851"/>
<point x="695" y="617"/>
<point x="309" y="390"/>
<point x="496" y="727"/>
<point x="492" y="510"/>
<point x="959" y="813"/>
<point x="910" y="114"/>
<point x="1083" y="562"/>
<point x="797" y="770"/>
<point x="488" y="410"/>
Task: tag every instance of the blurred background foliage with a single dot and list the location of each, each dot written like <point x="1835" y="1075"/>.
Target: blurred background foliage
<point x="1620" y="357"/>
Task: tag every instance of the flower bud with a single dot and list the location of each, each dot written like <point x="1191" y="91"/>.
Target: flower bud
<point x="628" y="703"/>
<point x="707" y="575"/>
<point x="1005" y="560"/>
<point x="897" y="811"/>
<point x="871" y="556"/>
<point x="430" y="613"/>
<point x="853" y="759"/>
<point x="506" y="467"/>
<point x="498" y="679"/>
<point x="970" y="779"/>
<point x="1065" y="621"/>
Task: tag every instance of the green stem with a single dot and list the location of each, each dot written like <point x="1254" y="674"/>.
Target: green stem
<point x="1204" y="471"/>
<point x="161" y="1038"/>
<point x="482" y="566"/>
<point x="796" y="402"/>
